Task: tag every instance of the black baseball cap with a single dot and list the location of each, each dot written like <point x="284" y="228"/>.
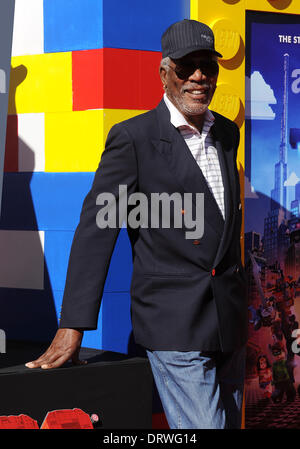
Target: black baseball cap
<point x="185" y="37"/>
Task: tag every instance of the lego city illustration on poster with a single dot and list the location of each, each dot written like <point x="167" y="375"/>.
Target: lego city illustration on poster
<point x="272" y="219"/>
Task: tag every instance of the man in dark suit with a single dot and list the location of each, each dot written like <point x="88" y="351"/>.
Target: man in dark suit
<point x="189" y="309"/>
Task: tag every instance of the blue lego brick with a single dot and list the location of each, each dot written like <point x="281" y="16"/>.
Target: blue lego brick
<point x="139" y="24"/>
<point x="116" y="322"/>
<point x="17" y="206"/>
<point x="32" y="315"/>
<point x="57" y="296"/>
<point x="114" y="328"/>
<point x="43" y="201"/>
<point x="116" y="300"/>
<point x="87" y="24"/>
<point x="72" y="25"/>
<point x="28" y="314"/>
<point x="57" y="250"/>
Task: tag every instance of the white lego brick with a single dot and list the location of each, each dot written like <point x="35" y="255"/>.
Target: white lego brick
<point x="22" y="259"/>
<point x="28" y="33"/>
<point x="31" y="131"/>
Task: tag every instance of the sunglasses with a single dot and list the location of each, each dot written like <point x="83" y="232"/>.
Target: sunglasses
<point x="185" y="70"/>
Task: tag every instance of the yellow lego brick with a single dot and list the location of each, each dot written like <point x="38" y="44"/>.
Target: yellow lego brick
<point x="194" y="9"/>
<point x="284" y="6"/>
<point x="113" y="116"/>
<point x="41" y="83"/>
<point x="74" y="141"/>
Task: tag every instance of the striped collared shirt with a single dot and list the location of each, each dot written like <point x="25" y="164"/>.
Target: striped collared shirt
<point x="202" y="147"/>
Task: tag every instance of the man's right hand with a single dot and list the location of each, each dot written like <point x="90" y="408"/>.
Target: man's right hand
<point x="65" y="345"/>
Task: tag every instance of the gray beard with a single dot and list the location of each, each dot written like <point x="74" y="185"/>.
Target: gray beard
<point x="198" y="109"/>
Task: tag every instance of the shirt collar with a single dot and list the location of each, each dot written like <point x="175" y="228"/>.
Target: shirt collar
<point x="177" y="119"/>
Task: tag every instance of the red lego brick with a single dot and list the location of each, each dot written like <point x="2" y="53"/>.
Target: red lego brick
<point x="11" y="163"/>
<point x="87" y="78"/>
<point x="67" y="419"/>
<point x="114" y="78"/>
<point x="18" y="422"/>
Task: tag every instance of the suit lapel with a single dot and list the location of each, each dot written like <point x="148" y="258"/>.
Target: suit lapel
<point x="184" y="168"/>
<point x="226" y="160"/>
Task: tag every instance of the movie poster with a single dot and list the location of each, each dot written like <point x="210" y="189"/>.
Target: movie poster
<point x="272" y="220"/>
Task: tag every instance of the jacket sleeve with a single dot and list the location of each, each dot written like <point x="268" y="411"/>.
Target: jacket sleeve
<point x="92" y="246"/>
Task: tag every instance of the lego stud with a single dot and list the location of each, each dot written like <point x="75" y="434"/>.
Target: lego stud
<point x="231" y="2"/>
<point x="280" y="4"/>
<point x="227" y="38"/>
<point x="226" y="101"/>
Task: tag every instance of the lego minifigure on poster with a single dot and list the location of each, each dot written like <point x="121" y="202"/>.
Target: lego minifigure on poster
<point x="264" y="375"/>
<point x="281" y="378"/>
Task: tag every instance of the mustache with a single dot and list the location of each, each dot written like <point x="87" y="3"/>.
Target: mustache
<point x="205" y="86"/>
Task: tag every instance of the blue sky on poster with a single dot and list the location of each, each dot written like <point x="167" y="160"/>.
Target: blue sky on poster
<point x="267" y="56"/>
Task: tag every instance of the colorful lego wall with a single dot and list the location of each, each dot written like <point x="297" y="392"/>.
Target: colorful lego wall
<point x="78" y="67"/>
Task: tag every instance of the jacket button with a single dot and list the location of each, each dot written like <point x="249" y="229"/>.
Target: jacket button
<point x="196" y="242"/>
<point x="213" y="272"/>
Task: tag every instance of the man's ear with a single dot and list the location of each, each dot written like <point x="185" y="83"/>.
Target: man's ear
<point x="163" y="76"/>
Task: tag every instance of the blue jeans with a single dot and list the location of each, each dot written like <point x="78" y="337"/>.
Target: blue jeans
<point x="200" y="389"/>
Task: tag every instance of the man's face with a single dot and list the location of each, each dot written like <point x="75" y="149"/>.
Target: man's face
<point x="191" y="81"/>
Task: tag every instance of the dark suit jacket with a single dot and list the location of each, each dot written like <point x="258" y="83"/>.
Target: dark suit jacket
<point x="178" y="301"/>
